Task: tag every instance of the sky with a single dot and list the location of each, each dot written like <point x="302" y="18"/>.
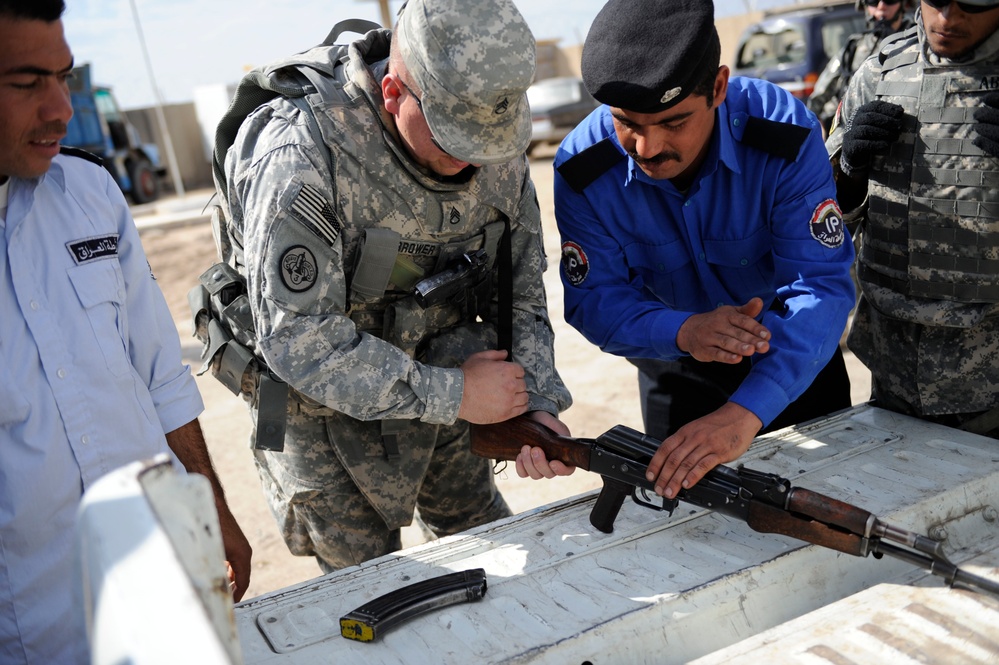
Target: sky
<point x="195" y="43"/>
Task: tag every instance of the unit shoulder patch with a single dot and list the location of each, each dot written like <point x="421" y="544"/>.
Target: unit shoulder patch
<point x="827" y="225"/>
<point x="575" y="265"/>
<point x="298" y="269"/>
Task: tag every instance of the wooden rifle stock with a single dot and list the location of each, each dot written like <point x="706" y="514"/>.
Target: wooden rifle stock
<point x="766" y="518"/>
<point x="503" y="441"/>
<point x="831" y="511"/>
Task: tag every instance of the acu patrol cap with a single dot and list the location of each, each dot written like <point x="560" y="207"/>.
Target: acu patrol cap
<point x="647" y="56"/>
<point x="473" y="60"/>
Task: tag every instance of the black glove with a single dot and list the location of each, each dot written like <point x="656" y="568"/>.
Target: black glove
<point x="874" y="127"/>
<point x="987" y="125"/>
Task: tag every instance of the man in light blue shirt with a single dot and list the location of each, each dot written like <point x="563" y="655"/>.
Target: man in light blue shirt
<point x="91" y="376"/>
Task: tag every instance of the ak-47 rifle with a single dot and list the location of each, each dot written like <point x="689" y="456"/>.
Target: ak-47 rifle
<point x="764" y="501"/>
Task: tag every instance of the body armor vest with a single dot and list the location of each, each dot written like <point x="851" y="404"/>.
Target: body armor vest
<point x="396" y="222"/>
<point x="934" y="199"/>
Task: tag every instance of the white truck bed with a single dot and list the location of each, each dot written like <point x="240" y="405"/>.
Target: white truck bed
<point x="673" y="589"/>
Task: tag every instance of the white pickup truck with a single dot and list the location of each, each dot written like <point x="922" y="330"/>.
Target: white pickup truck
<point x="694" y="586"/>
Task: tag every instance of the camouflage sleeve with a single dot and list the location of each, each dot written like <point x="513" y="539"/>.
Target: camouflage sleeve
<point x="298" y="288"/>
<point x="825" y="96"/>
<point x="858" y="92"/>
<point x="533" y="337"/>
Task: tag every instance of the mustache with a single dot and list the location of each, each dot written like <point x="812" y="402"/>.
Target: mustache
<point x="661" y="158"/>
<point x="49" y="129"/>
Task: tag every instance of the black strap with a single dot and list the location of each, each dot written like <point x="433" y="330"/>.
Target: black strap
<point x="504" y="328"/>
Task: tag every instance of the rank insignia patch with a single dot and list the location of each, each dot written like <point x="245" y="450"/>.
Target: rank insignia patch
<point x="827" y="224"/>
<point x="574" y="263"/>
<point x="298" y="269"/>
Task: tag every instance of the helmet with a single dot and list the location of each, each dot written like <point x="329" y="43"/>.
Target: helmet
<point x="908" y="5"/>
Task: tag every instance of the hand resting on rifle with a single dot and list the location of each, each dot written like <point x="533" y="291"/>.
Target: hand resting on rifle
<point x="532" y="463"/>
<point x="700" y="445"/>
<point x="726" y="335"/>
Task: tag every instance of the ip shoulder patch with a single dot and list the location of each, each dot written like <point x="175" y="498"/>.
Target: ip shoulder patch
<point x="574" y="263"/>
<point x="827" y="224"/>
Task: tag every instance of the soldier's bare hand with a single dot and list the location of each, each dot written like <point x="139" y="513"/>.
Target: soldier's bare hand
<point x="725" y="335"/>
<point x="700" y="445"/>
<point x="494" y="390"/>
<point x="532" y="463"/>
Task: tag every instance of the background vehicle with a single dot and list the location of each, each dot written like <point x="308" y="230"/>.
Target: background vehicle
<point x="791" y="46"/>
<point x="557" y="106"/>
<point x="99" y="126"/>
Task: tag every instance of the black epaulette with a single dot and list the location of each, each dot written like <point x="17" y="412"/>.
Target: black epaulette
<point x="582" y="169"/>
<point x="83" y="154"/>
<point x="783" y="139"/>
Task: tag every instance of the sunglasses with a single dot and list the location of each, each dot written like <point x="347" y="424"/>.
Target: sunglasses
<point x="875" y="3"/>
<point x="963" y="6"/>
<point x="419" y="105"/>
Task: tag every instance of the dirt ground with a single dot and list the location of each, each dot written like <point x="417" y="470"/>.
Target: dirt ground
<point x="603" y="387"/>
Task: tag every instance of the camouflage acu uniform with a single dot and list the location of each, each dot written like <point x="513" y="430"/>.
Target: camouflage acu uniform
<point x="834" y="79"/>
<point x="358" y="354"/>
<point x="928" y="324"/>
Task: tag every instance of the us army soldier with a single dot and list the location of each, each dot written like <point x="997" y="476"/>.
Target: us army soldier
<point x="918" y="138"/>
<point x="425" y="130"/>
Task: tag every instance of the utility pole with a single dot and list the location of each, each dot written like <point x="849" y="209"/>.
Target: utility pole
<point x="178" y="182"/>
<point x="385" y="11"/>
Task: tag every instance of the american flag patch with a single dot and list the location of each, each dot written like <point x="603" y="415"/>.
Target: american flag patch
<point x="312" y="208"/>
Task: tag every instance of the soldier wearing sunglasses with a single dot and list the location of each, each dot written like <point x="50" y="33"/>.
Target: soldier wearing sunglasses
<point x="884" y="18"/>
<point x="915" y="147"/>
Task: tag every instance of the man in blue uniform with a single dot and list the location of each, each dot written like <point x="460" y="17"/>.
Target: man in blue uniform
<point x="701" y="238"/>
<point x="91" y="376"/>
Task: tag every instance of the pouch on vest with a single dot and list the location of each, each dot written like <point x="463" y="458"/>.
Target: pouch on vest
<point x="223" y="322"/>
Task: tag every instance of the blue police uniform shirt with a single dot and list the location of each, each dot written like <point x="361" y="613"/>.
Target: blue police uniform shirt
<point x="90" y="379"/>
<point x="639" y="256"/>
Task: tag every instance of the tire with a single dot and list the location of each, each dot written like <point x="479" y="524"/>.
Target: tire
<point x="145" y="183"/>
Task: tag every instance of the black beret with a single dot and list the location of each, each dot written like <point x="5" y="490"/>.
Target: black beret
<point x="647" y="55"/>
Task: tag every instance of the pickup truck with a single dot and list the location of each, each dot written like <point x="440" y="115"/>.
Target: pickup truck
<point x="694" y="586"/>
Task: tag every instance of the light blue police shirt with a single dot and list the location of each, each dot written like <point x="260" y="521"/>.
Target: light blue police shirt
<point x="90" y="379"/>
<point x="639" y="257"/>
